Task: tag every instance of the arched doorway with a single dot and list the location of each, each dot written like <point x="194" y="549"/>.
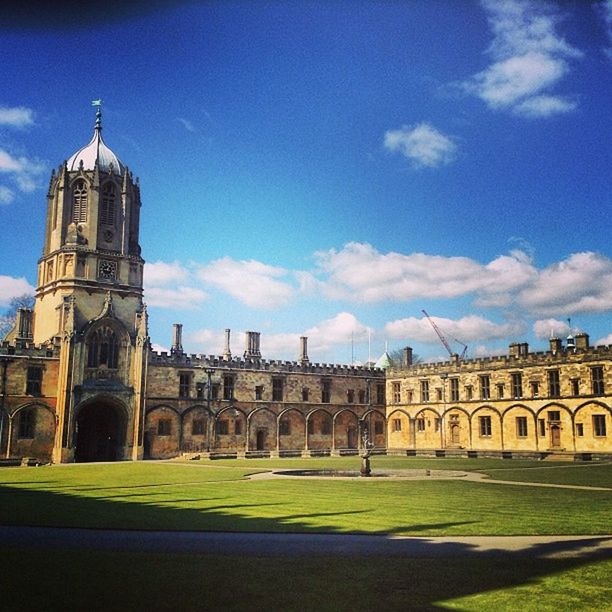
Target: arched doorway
<point x="100" y="433"/>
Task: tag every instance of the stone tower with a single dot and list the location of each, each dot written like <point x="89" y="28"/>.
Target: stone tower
<point x="89" y="301"/>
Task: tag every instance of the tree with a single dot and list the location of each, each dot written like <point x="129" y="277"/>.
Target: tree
<point x="397" y="357"/>
<point x="7" y="320"/>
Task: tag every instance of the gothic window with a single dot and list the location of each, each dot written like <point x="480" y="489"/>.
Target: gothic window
<point x="34" y="380"/>
<point x="597" y="380"/>
<point x="107" y="210"/>
<point x="378" y="427"/>
<point x="517" y="385"/>
<point x="277" y="389"/>
<point x="26" y="423"/>
<point x="380" y="394"/>
<point x="103" y="349"/>
<point x="164" y="427"/>
<point x="198" y="427"/>
<point x="454" y="389"/>
<point x="485" y="387"/>
<point x="485" y="426"/>
<point x="424" y="391"/>
<point x="326" y="392"/>
<point x="79" y="202"/>
<point x="284" y="428"/>
<point x="521" y="427"/>
<point x="554" y="387"/>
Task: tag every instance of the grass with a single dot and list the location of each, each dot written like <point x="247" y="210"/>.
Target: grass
<point x="216" y="496"/>
<point x="103" y="580"/>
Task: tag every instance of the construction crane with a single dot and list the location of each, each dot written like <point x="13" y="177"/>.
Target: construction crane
<point x="444" y="340"/>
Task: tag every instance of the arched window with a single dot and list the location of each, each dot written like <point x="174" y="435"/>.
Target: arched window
<point x="103" y="349"/>
<point x="107" y="210"/>
<point x="79" y="202"/>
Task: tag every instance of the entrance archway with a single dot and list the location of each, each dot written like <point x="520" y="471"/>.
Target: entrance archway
<point x="100" y="433"/>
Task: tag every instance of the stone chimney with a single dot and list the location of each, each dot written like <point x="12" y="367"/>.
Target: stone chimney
<point x="556" y="346"/>
<point x="251" y="345"/>
<point x="227" y="353"/>
<point x="177" y="339"/>
<point x="407" y="356"/>
<point x="513" y="349"/>
<point x="582" y="341"/>
<point x="303" y="359"/>
<point x="23" y="324"/>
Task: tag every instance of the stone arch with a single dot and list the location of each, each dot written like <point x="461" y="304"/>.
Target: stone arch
<point x="196" y="427"/>
<point x="555" y="434"/>
<point x="262" y="430"/>
<point x="486" y="428"/>
<point x="230" y="427"/>
<point x="592" y="427"/>
<point x="101" y="424"/>
<point x="428" y="428"/>
<point x="377" y="427"/>
<point x="399" y="429"/>
<point x="457" y="424"/>
<point x="319" y="428"/>
<point x="346" y="429"/>
<point x="32" y="431"/>
<point x="519" y="426"/>
<point x="162" y="435"/>
<point x="105" y="341"/>
<point x="291" y="429"/>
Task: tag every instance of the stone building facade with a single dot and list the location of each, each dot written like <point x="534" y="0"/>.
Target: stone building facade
<point x="530" y="403"/>
<point x="79" y="381"/>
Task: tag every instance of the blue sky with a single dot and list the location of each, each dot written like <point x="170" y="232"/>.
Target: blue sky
<point x="332" y="168"/>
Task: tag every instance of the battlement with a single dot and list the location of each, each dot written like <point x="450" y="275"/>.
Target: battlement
<point x="183" y="360"/>
<point x="28" y="349"/>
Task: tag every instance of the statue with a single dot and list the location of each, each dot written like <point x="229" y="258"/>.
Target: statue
<point x="366" y="451"/>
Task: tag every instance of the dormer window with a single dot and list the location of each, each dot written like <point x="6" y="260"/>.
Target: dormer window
<point x="79" y="202"/>
<point x="107" y="210"/>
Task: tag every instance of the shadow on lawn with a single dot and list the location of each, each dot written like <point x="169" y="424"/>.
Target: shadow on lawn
<point x="289" y="571"/>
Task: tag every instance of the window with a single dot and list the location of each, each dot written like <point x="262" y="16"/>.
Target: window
<point x="326" y="426"/>
<point x="380" y="394"/>
<point x="580" y="429"/>
<point x="103" y="349"/>
<point x="420" y="424"/>
<point x="437" y="423"/>
<point x="198" y="427"/>
<point x="485" y="387"/>
<point x="350" y="396"/>
<point x="164" y="427"/>
<point x="107" y="210"/>
<point x="424" y="391"/>
<point x="215" y="391"/>
<point x="326" y="392"/>
<point x="34" y="380"/>
<point x="599" y="425"/>
<point x="26" y="423"/>
<point x="259" y="392"/>
<point x="79" y="202"/>
<point x="469" y="392"/>
<point x="237" y="427"/>
<point x="362" y="396"/>
<point x="397" y="424"/>
<point x="554" y="387"/>
<point x="397" y="393"/>
<point x="454" y="389"/>
<point x="222" y="428"/>
<point x="378" y="427"/>
<point x="228" y="387"/>
<point x="554" y="415"/>
<point x="575" y="382"/>
<point x="284" y="427"/>
<point x="521" y="427"/>
<point x="597" y="380"/>
<point x="305" y="394"/>
<point x="277" y="389"/>
<point x="410" y="395"/>
<point x="542" y="427"/>
<point x="517" y="385"/>
<point x="485" y="426"/>
<point x="201" y="390"/>
<point x="500" y="390"/>
<point x="439" y="394"/>
<point x="310" y="427"/>
<point x="535" y="388"/>
<point x="184" y="384"/>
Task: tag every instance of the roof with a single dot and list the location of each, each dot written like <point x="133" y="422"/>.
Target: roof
<point x="96" y="151"/>
<point x="384" y="361"/>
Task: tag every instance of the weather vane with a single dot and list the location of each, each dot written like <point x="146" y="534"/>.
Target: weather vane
<point x="96" y="102"/>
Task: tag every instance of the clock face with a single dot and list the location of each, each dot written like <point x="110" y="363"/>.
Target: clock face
<point x="107" y="270"/>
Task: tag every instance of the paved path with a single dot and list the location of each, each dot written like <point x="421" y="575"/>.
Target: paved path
<point x="296" y="544"/>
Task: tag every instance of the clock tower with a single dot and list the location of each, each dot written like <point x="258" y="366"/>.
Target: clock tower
<point x="89" y="301"/>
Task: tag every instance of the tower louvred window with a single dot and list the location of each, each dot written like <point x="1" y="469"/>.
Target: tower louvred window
<point x="79" y="202"/>
<point x="107" y="211"/>
<point x="103" y="349"/>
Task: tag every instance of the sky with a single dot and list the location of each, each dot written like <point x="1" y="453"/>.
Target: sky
<point x="331" y="168"/>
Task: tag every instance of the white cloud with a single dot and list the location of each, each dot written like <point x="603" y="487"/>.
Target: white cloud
<point x="604" y="9"/>
<point x="530" y="59"/>
<point x="24" y="172"/>
<point x="549" y="328"/>
<point x="11" y="287"/>
<point x="422" y="144"/>
<point x="6" y="195"/>
<point x="162" y="273"/>
<point x="176" y="298"/>
<point x="580" y="283"/>
<point x="605" y="341"/>
<point x="251" y="282"/>
<point x="186" y="124"/>
<point x="465" y="330"/>
<point x="16" y="117"/>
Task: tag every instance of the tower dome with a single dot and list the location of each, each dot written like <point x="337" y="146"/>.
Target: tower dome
<point x="96" y="151"/>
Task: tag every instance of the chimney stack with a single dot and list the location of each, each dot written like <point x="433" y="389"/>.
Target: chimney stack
<point x="251" y="348"/>
<point x="227" y="353"/>
<point x="177" y="339"/>
<point x="407" y="357"/>
<point x="303" y="360"/>
<point x="556" y="345"/>
<point x="582" y="341"/>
